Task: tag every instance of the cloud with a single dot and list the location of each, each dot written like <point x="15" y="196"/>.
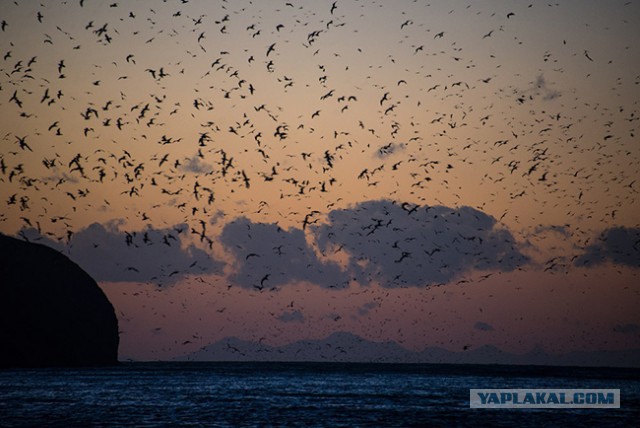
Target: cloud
<point x="618" y="245"/>
<point x="561" y="230"/>
<point x="382" y="241"/>
<point x="389" y="149"/>
<point x="548" y="93"/>
<point x="541" y="87"/>
<point x="395" y="245"/>
<point x="196" y="166"/>
<point x="366" y="308"/>
<point x="293" y="316"/>
<point x="267" y="256"/>
<point x="150" y="255"/>
<point x="411" y="245"/>
<point x="483" y="326"/>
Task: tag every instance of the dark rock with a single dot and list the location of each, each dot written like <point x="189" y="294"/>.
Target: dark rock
<point x="52" y="313"/>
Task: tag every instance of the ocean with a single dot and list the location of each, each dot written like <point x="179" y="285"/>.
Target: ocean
<point x="299" y="394"/>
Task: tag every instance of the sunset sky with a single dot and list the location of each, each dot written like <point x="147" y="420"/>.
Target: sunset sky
<point x="441" y="173"/>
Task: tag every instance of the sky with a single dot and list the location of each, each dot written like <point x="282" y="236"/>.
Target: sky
<point x="445" y="173"/>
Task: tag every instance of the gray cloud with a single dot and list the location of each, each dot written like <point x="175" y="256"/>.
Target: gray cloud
<point x="196" y="166"/>
<point x="542" y="88"/>
<point x="619" y="245"/>
<point x="393" y="244"/>
<point x="293" y="316"/>
<point x="408" y="245"/>
<point x="562" y="230"/>
<point x="268" y="256"/>
<point x="366" y="308"/>
<point x="483" y="326"/>
<point x="150" y="255"/>
<point x="389" y="149"/>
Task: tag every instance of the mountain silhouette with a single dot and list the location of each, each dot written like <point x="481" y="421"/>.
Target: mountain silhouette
<point x="348" y="347"/>
<point x="52" y="313"/>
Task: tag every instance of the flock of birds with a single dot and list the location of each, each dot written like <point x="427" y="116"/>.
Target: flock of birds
<point x="163" y="114"/>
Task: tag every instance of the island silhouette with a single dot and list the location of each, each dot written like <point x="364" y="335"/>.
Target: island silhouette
<point x="52" y="313"/>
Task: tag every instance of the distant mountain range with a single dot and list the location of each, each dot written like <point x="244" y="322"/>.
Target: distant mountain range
<point x="347" y="347"/>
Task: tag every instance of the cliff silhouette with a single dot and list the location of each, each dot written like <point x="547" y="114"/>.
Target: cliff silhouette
<point x="52" y="313"/>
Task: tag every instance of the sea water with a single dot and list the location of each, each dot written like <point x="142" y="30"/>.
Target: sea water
<point x="299" y="394"/>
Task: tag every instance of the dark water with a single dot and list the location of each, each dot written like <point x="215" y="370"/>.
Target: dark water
<point x="298" y="394"/>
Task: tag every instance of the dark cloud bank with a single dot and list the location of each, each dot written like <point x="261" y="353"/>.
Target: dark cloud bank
<point x="150" y="255"/>
<point x="386" y="242"/>
<point x="393" y="244"/>
<point x="618" y="245"/>
<point x="402" y="244"/>
<point x="268" y="256"/>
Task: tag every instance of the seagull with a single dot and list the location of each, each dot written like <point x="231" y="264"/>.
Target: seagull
<point x="271" y="48"/>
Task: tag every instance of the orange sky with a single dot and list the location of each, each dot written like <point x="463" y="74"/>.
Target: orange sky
<point x="516" y="124"/>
